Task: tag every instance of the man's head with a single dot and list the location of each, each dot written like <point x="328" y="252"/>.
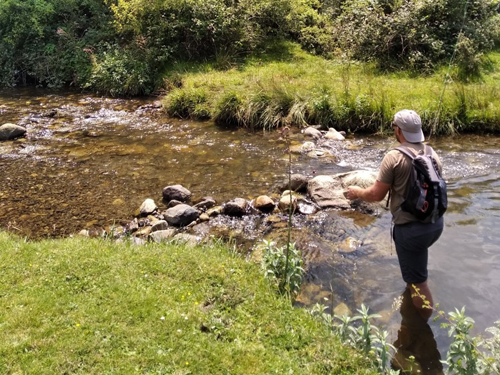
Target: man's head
<point x="410" y="124"/>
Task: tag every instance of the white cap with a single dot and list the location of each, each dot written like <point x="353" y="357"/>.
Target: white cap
<point x="410" y="123"/>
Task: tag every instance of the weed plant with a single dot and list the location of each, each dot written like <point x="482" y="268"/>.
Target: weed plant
<point x="467" y="355"/>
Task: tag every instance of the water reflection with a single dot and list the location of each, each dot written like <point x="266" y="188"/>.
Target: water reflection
<point x="415" y="339"/>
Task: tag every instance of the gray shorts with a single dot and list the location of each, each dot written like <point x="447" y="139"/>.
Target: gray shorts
<point x="412" y="246"/>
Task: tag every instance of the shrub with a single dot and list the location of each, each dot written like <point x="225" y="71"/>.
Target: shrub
<point x="120" y="73"/>
<point x="416" y="34"/>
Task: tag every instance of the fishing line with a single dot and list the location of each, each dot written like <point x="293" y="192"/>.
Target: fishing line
<point x="447" y="75"/>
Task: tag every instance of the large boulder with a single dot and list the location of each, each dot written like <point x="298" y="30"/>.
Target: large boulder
<point x="11" y="131"/>
<point x="176" y="192"/>
<point x="181" y="215"/>
<point x="359" y="178"/>
<point x="327" y="192"/>
<point x="363" y="179"/>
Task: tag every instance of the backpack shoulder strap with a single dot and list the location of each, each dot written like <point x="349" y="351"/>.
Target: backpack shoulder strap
<point x="405" y="150"/>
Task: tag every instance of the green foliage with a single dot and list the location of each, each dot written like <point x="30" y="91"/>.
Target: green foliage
<point x="417" y="34"/>
<point x="359" y="332"/>
<point x="264" y="93"/>
<point x="119" y="72"/>
<point x="228" y="110"/>
<point x="188" y="104"/>
<point x="283" y="265"/>
<point x="48" y="42"/>
<point x="462" y="357"/>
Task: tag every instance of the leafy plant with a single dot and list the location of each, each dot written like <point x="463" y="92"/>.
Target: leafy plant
<point x="283" y="265"/>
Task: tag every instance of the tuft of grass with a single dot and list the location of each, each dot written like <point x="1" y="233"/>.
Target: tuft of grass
<point x="295" y="88"/>
<point x="90" y="306"/>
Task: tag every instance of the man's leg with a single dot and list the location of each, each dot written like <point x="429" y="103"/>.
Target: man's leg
<point x="422" y="299"/>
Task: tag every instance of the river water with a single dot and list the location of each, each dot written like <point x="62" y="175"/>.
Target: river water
<point x="90" y="162"/>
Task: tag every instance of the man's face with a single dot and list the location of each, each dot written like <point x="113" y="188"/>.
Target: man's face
<point x="396" y="131"/>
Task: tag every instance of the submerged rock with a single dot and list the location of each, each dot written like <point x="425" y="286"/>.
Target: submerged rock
<point x="11" y="131"/>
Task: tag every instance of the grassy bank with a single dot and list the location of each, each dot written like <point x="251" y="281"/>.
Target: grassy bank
<point x="82" y="306"/>
<point x="287" y="86"/>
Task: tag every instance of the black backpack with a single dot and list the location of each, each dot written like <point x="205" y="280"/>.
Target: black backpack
<point x="426" y="199"/>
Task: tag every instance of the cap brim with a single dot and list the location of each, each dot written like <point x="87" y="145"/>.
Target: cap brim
<point x="413" y="137"/>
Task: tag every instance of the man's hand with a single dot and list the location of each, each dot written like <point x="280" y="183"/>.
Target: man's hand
<point x="353" y="192"/>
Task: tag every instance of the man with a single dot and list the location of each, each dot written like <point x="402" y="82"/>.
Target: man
<point x="412" y="237"/>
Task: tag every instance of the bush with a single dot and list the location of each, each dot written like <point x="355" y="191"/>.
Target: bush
<point x="46" y="42"/>
<point x="417" y="34"/>
<point x="120" y="73"/>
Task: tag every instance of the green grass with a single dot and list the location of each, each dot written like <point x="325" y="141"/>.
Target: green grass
<point x="287" y="86"/>
<point x="90" y="306"/>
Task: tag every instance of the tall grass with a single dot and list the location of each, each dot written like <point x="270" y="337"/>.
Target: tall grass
<point x="89" y="306"/>
<point x="266" y="92"/>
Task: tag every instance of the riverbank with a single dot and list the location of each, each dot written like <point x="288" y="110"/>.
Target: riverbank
<point x="80" y="305"/>
<point x="287" y="86"/>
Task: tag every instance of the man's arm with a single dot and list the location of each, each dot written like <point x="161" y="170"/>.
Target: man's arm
<point x="374" y="193"/>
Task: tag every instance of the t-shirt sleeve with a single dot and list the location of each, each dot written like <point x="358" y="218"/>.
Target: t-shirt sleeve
<point x="386" y="171"/>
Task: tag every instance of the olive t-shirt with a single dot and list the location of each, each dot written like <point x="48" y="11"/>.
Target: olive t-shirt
<point x="395" y="170"/>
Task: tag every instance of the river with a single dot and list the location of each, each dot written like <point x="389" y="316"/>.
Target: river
<point x="90" y="162"/>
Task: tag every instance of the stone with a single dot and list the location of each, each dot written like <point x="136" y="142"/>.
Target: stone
<point x="297" y="182"/>
<point x="359" y="178"/>
<point x="187" y="239"/>
<point x="143" y="232"/>
<point x="173" y="203"/>
<point x="327" y="192"/>
<point x="332" y="134"/>
<point x="205" y="204"/>
<point x="342" y="309"/>
<point x="288" y="202"/>
<point x="147" y="207"/>
<point x="312" y="132"/>
<point x="349" y="245"/>
<point x="11" y="131"/>
<point x="214" y="211"/>
<point x="159" y="225"/>
<point x="176" y="192"/>
<point x="264" y="203"/>
<point x="204" y="217"/>
<point x="236" y="207"/>
<point x="181" y="215"/>
<point x="162" y="235"/>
